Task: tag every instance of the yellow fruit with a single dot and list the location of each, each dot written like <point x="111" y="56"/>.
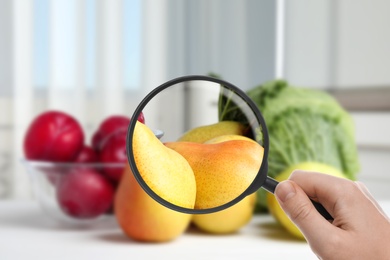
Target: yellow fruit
<point x="228" y="220"/>
<point x="165" y="171"/>
<point x="169" y="175"/>
<point x="142" y="218"/>
<point x="203" y="133"/>
<point x="223" y="171"/>
<point x="228" y="137"/>
<point x="273" y="204"/>
<point x="233" y="218"/>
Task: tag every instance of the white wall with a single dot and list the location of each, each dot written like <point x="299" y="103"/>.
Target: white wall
<point x="5" y="48"/>
<point x="5" y="92"/>
<point x="307" y="49"/>
<point x="363" y="43"/>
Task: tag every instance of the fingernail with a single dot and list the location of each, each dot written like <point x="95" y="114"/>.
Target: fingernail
<point x="284" y="191"/>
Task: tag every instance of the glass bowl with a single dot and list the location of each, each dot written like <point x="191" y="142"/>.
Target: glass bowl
<point x="62" y="194"/>
<point x="47" y="179"/>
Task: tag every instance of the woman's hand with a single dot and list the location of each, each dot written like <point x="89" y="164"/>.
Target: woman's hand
<point x="360" y="229"/>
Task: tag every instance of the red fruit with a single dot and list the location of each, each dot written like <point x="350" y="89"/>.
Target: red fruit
<point x="87" y="155"/>
<point x="53" y="136"/>
<point x="84" y="193"/>
<point x="109" y="126"/>
<point x="141" y="118"/>
<point x="106" y="128"/>
<point x="114" y="151"/>
<point x="95" y="141"/>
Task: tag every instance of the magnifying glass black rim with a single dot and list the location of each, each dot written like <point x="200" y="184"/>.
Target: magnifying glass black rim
<point x="255" y="185"/>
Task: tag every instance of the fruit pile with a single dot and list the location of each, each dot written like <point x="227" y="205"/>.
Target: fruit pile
<point x="85" y="176"/>
<point x="208" y="166"/>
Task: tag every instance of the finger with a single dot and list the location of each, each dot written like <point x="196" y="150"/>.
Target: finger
<point x="337" y="195"/>
<point x="301" y="211"/>
<point x="330" y="191"/>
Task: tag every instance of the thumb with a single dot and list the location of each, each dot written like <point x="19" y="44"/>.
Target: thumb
<point x="299" y="208"/>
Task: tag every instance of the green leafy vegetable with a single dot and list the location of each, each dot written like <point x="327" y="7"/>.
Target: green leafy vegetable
<point x="230" y="105"/>
<point x="303" y="125"/>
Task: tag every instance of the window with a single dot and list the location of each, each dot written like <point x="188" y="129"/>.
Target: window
<point x="55" y="34"/>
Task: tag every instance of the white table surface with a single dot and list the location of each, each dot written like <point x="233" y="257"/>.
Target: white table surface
<point x="26" y="233"/>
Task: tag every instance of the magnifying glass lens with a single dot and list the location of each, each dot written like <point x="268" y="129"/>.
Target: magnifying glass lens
<point x="201" y="163"/>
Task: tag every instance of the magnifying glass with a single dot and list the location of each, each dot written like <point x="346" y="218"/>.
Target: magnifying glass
<point x="201" y="164"/>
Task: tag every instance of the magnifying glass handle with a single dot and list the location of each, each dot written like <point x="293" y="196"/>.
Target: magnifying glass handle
<point x="270" y="186"/>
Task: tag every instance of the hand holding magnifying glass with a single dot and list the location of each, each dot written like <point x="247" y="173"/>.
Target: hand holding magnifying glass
<point x="360" y="229"/>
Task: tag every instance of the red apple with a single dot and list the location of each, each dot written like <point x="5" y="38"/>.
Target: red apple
<point x="114" y="151"/>
<point x="109" y="126"/>
<point x="141" y="118"/>
<point x="87" y="155"/>
<point x="53" y="136"/>
<point x="106" y="128"/>
<point x="111" y="210"/>
<point x="84" y="193"/>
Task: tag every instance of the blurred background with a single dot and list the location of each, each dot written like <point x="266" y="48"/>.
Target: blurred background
<point x="96" y="58"/>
